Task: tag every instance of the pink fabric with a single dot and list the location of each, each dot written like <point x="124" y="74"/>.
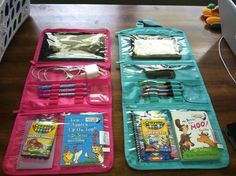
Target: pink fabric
<point x="32" y="105"/>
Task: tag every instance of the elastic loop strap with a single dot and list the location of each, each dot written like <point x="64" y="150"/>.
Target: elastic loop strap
<point x="54" y="95"/>
<point x="147" y="23"/>
<point x="80" y="92"/>
<point x="53" y="99"/>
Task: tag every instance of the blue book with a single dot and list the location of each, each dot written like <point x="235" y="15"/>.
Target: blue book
<point x="80" y="145"/>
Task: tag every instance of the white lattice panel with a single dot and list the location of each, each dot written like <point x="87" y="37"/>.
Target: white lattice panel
<point x="12" y="14"/>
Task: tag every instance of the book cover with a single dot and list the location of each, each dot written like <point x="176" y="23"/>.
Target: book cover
<point x="156" y="135"/>
<point x="39" y="140"/>
<point x="143" y="155"/>
<point x="196" y="139"/>
<point x="81" y="140"/>
<point x="35" y="163"/>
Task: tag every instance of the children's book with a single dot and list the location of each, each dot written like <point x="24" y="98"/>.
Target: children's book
<point x="196" y="138"/>
<point x="81" y="138"/>
<point x="166" y="152"/>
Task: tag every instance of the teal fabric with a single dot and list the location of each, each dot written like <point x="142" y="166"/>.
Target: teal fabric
<point x="195" y="96"/>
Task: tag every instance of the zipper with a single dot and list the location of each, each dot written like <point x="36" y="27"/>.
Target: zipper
<point x="168" y="106"/>
<point x="56" y="109"/>
<point x="159" y="62"/>
<point x="37" y="64"/>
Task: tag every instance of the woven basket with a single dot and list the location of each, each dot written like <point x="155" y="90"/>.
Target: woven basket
<point x="12" y="14"/>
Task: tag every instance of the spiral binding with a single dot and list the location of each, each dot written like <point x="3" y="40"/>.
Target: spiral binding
<point x="136" y="136"/>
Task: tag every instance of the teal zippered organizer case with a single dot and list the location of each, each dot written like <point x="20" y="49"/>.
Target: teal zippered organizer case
<point x="169" y="120"/>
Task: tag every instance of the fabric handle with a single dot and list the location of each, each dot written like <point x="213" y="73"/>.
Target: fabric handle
<point x="147" y="23"/>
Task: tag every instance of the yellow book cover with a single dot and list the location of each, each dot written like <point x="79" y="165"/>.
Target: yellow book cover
<point x="40" y="138"/>
<point x="156" y="135"/>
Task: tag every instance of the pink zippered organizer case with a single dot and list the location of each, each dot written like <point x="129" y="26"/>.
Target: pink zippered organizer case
<point x="64" y="122"/>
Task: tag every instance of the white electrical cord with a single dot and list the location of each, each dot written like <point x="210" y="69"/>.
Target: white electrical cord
<point x="222" y="60"/>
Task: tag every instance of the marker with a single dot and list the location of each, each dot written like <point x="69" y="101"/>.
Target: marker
<point x="162" y="90"/>
<point x="61" y="86"/>
<point x="165" y="94"/>
<point x="62" y="90"/>
<point x="160" y="83"/>
<point x="159" y="90"/>
<point x="47" y="95"/>
<point x="162" y="87"/>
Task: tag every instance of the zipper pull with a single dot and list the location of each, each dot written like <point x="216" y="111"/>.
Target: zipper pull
<point x="15" y="111"/>
<point x="131" y="106"/>
<point x="32" y="62"/>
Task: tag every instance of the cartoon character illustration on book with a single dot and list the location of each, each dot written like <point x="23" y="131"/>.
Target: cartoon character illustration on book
<point x="205" y="138"/>
<point x="185" y="142"/>
<point x="67" y="156"/>
<point x="164" y="144"/>
<point x="196" y="138"/>
<point x="34" y="143"/>
<point x="78" y="153"/>
<point x="97" y="150"/>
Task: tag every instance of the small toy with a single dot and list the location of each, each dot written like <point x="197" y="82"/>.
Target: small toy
<point x="211" y="16"/>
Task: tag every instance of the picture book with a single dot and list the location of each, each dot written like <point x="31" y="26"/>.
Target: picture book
<point x="159" y="154"/>
<point x="34" y="163"/>
<point x="81" y="140"/>
<point x="40" y="139"/>
<point x="196" y="139"/>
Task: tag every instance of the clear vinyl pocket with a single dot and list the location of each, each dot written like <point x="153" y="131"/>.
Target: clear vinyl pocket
<point x="66" y="72"/>
<point x="39" y="95"/>
<point x="163" y="91"/>
<point x="73" y="45"/>
<point x="68" y="142"/>
<point x="153" y="138"/>
<point x="160" y="71"/>
<point x="152" y="44"/>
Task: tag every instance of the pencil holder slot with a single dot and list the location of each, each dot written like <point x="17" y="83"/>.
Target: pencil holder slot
<point x="146" y="91"/>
